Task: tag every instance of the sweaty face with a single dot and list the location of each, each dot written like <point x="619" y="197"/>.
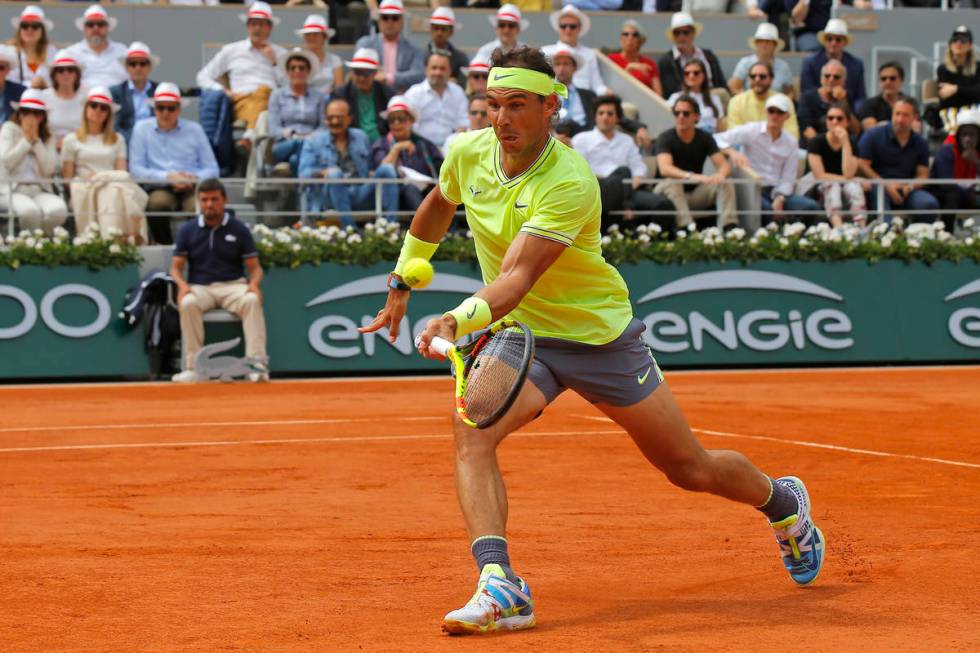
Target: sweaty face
<point x="520" y="119"/>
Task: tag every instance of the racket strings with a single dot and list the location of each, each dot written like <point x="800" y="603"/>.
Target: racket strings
<point x="493" y="374"/>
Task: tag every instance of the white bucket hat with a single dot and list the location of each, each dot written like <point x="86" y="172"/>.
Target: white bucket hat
<point x="682" y="19"/>
<point x="391" y="8"/>
<point x="139" y="50"/>
<point x="169" y="92"/>
<point x="33" y="99"/>
<point x="399" y="103"/>
<point x="779" y="101"/>
<point x="316" y="24"/>
<point x="968" y="117"/>
<point x="365" y="59"/>
<point x="509" y="14"/>
<point x="95" y="12"/>
<point x="477" y="66"/>
<point x="261" y="11"/>
<point x="562" y="50"/>
<point x="65" y="59"/>
<point x="444" y="16"/>
<point x="767" y="32"/>
<point x="101" y="95"/>
<point x="570" y="10"/>
<point x="32" y="14"/>
<point x="836" y="27"/>
<point x="302" y="53"/>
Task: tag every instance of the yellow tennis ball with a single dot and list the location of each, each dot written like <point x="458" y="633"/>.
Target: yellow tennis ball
<point x="417" y="273"/>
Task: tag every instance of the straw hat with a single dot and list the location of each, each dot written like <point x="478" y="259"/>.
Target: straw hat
<point x="316" y="24"/>
<point x="399" y="103"/>
<point x="169" y="92"/>
<point x="509" y="13"/>
<point x="261" y="11"/>
<point x="139" y="50"/>
<point x="302" y="53"/>
<point x="444" y="16"/>
<point x="571" y="10"/>
<point x="391" y="8"/>
<point x="562" y="50"/>
<point x="476" y="66"/>
<point x="835" y="27"/>
<point x="101" y="95"/>
<point x="95" y="12"/>
<point x="767" y="32"/>
<point x="32" y="99"/>
<point x="682" y="19"/>
<point x="65" y="59"/>
<point x="364" y="59"/>
<point x="32" y="14"/>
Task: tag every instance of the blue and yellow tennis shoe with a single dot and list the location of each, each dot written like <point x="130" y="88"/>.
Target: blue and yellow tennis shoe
<point x="800" y="541"/>
<point x="498" y="604"/>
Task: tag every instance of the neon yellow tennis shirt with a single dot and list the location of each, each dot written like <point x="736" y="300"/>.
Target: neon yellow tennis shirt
<point x="580" y="297"/>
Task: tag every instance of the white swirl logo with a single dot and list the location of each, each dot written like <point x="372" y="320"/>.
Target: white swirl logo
<point x="964" y="324"/>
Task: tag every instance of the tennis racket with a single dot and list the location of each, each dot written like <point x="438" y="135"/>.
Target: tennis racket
<point x="489" y="372"/>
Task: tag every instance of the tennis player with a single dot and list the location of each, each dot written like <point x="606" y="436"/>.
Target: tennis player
<point x="533" y="207"/>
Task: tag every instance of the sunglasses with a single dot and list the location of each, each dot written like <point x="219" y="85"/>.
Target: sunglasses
<point x="397" y="119"/>
<point x="363" y="73"/>
<point x="683" y="32"/>
<point x="440" y="28"/>
<point x="961" y="38"/>
<point x="165" y="108"/>
<point x="759" y="76"/>
<point x="479" y="75"/>
<point x="692" y="73"/>
<point x="889" y="78"/>
<point x="775" y="110"/>
<point x="835" y="118"/>
<point x="832" y="76"/>
<point x="390" y="17"/>
<point x="506" y="25"/>
<point x="138" y="64"/>
<point x="31" y="26"/>
<point x="97" y="25"/>
<point x="63" y="70"/>
<point x="630" y="35"/>
<point x="835" y="39"/>
<point x="478" y="113"/>
<point x="569" y="26"/>
<point x="98" y="106"/>
<point x="683" y="113"/>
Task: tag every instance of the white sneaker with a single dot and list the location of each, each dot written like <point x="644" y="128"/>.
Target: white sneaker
<point x="260" y="375"/>
<point x="497" y="605"/>
<point x="187" y="376"/>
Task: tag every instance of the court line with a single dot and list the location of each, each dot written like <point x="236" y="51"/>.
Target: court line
<point x="229" y="443"/>
<point x="815" y="445"/>
<point x="167" y="425"/>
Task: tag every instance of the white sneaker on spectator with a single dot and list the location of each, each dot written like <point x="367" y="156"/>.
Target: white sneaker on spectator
<point x="187" y="376"/>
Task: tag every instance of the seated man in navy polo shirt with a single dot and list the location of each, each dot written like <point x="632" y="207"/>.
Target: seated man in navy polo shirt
<point x="894" y="151"/>
<point x="219" y="249"/>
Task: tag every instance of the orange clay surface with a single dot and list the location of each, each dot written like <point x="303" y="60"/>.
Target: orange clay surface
<point x="321" y="516"/>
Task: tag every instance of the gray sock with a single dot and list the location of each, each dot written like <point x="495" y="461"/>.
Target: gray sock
<point x="781" y="504"/>
<point x="492" y="550"/>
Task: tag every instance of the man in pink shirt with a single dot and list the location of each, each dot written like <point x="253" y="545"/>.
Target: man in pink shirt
<point x="402" y="64"/>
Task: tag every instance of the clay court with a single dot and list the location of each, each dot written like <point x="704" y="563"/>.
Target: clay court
<point x="321" y="516"/>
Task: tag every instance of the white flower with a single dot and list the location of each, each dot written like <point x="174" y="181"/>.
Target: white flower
<point x="296" y="247"/>
<point x="39" y="233"/>
<point x="681" y="235"/>
<point x="944" y="236"/>
<point x="897" y="221"/>
<point x="92" y="228"/>
<point x="606" y="240"/>
<point x="642" y="229"/>
<point x="879" y="230"/>
<point x="835" y="236"/>
<point x="349" y="229"/>
<point x="968" y="223"/>
<point x="40" y="245"/>
<point x="811" y="231"/>
<point x="369" y="228"/>
<point x="265" y="242"/>
<point x="736" y="234"/>
<point x="78" y="240"/>
<point x="24" y="233"/>
<point x="655" y="228"/>
<point x="887" y="241"/>
<point x="354" y="239"/>
<point x="761" y="232"/>
<point x="753" y="240"/>
<point x="306" y="230"/>
<point x="913" y="243"/>
<point x="804" y="242"/>
<point x="114" y="248"/>
<point x="643" y="238"/>
<point x="969" y="241"/>
<point x="784" y="241"/>
<point x="113" y="232"/>
<point x="692" y="227"/>
<point x="30" y="242"/>
<point x="60" y="232"/>
<point x="469" y="235"/>
<point x="613" y="228"/>
<point x="772" y="226"/>
<point x="939" y="225"/>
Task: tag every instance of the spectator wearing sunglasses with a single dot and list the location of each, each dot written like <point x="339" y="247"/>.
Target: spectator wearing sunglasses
<point x="572" y="25"/>
<point x="135" y="95"/>
<point x="507" y="23"/>
<point x="766" y="43"/>
<point x="750" y="105"/>
<point x="295" y="110"/>
<point x="476" y="77"/>
<point x="878" y="108"/>
<point x="365" y="95"/>
<point x="98" y="54"/>
<point x="9" y="91"/>
<point x="65" y="97"/>
<point x="402" y="64"/>
<point x="94" y="159"/>
<point x="959" y="74"/>
<point x="815" y="102"/>
<point x="833" y="161"/>
<point x="711" y="113"/>
<point x="835" y="39"/>
<point x="644" y="69"/>
<point x="478" y="117"/>
<point x="171" y="154"/>
<point x="330" y="67"/>
<point x="34" y="52"/>
<point x="683" y="32"/>
<point x="442" y="24"/>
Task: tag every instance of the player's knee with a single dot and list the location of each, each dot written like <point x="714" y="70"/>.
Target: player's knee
<point x="693" y="476"/>
<point x="472" y="444"/>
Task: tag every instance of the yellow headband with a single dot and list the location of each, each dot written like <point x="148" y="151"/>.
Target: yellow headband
<point x="525" y="79"/>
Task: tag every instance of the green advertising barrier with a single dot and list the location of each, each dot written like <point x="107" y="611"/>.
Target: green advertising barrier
<point x="62" y="322"/>
<point x="698" y="314"/>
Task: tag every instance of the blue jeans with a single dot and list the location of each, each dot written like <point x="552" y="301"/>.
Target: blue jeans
<point x="919" y="200"/>
<point x="288" y="150"/>
<point x="360" y="197"/>
<point x="794" y="203"/>
<point x="807" y="42"/>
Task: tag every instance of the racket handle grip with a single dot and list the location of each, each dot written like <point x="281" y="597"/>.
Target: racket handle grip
<point x="438" y="344"/>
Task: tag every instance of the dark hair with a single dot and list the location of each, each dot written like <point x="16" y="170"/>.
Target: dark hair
<point x="210" y="184"/>
<point x="43" y="131"/>
<point x="843" y="106"/>
<point x="522" y="57"/>
<point x="439" y="53"/>
<point x="708" y="100"/>
<point x="893" y="64"/>
<point x="905" y="99"/>
<point x="767" y="66"/>
<point x="476" y="96"/>
<point x="77" y="84"/>
<point x="684" y="97"/>
<point x="608" y="99"/>
<point x="298" y="57"/>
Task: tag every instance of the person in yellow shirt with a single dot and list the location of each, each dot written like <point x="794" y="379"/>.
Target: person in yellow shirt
<point x="750" y="105"/>
<point x="532" y="204"/>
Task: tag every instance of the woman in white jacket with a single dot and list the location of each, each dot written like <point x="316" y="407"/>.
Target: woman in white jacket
<point x="29" y="160"/>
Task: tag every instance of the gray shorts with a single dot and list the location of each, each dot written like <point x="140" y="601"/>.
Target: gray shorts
<point x="620" y="373"/>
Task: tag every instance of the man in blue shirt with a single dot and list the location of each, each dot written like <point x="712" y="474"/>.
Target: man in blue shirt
<point x="135" y="95"/>
<point x="169" y="155"/>
<point x="894" y="151"/>
<point x="834" y="39"/>
<point x="219" y="249"/>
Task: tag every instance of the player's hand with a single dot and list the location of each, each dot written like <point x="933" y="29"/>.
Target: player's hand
<point x="391" y="315"/>
<point x="443" y="327"/>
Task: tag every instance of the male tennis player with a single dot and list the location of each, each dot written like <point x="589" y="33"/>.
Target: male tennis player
<point x="533" y="206"/>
